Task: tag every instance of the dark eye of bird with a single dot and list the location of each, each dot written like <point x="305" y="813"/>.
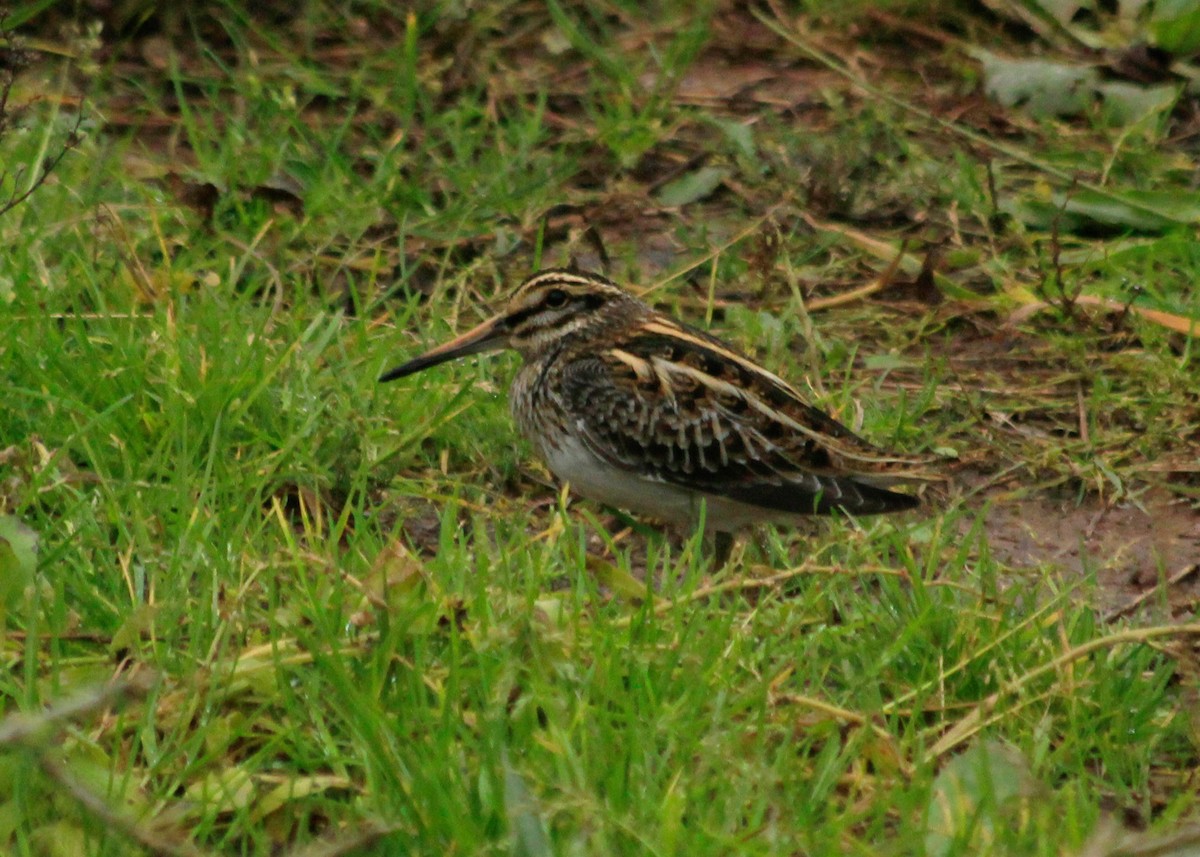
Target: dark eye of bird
<point x="556" y="298"/>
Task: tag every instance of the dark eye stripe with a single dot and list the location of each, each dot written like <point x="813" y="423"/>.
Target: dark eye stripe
<point x="592" y="300"/>
<point x="524" y="315"/>
<point x="586" y="302"/>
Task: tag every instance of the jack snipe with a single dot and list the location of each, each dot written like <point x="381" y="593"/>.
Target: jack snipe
<point x="640" y="412"/>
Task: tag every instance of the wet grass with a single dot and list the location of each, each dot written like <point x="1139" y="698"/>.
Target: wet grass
<point x="368" y="611"/>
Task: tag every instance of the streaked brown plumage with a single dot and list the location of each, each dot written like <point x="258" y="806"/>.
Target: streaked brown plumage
<point x="643" y="413"/>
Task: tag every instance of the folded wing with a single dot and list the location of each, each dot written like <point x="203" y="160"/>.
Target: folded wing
<point x="677" y="405"/>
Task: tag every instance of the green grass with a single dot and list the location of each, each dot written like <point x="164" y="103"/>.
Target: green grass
<point x="360" y="604"/>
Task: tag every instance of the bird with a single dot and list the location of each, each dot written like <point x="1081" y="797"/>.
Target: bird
<point x="641" y="412"/>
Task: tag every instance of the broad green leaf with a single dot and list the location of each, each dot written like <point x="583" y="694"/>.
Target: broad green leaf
<point x="297" y="788"/>
<point x="973" y="796"/>
<point x="1045" y="88"/>
<point x="1127" y="103"/>
<point x="137" y="625"/>
<point x="226" y="790"/>
<point x="60" y="839"/>
<point x="691" y="187"/>
<point x="1137" y="208"/>
<point x="621" y="582"/>
<point x="740" y="134"/>
<point x="524" y="816"/>
<point x="11" y="814"/>
<point x="1175" y="26"/>
<point x="1088" y="211"/>
<point x="1042" y="87"/>
<point x="94" y="768"/>
<point x="18" y="558"/>
<point x="886" y="362"/>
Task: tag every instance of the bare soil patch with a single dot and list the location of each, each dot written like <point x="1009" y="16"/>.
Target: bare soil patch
<point x="1132" y="548"/>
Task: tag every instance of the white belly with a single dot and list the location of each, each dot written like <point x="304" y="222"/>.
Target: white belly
<point x="595" y="479"/>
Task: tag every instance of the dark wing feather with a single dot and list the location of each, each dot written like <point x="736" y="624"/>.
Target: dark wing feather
<point x="676" y="408"/>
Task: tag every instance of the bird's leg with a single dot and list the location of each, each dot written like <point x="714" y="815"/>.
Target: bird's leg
<point x="722" y="548"/>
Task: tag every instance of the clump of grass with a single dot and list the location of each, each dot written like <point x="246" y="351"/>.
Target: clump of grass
<point x="365" y="615"/>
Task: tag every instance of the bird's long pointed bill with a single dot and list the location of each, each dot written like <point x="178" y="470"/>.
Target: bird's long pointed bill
<point x="489" y="336"/>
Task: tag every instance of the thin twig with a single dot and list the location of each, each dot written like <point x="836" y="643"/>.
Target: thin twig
<point x="877" y="285"/>
<point x="745" y="584"/>
<point x="979" y="717"/>
<point x="48" y="167"/>
<point x="37" y="730"/>
<point x="1174" y="580"/>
